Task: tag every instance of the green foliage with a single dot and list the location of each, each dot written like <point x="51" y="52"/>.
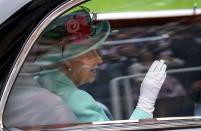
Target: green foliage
<point x="139" y="5"/>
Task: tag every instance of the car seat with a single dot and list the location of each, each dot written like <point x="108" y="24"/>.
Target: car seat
<point x="30" y="105"/>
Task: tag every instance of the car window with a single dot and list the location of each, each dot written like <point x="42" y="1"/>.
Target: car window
<point x="84" y="69"/>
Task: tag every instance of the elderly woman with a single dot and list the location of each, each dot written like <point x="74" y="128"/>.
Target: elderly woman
<point x="76" y="63"/>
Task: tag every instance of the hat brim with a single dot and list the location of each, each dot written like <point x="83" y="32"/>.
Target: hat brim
<point x="74" y="49"/>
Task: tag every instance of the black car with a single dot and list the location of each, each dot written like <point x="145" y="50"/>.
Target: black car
<point x="39" y="37"/>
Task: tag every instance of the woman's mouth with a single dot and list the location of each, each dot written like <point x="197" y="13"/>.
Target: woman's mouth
<point x="93" y="70"/>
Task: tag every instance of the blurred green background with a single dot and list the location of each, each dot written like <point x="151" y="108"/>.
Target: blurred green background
<point x="139" y="5"/>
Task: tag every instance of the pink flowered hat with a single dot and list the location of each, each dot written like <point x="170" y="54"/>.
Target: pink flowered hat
<point x="72" y="35"/>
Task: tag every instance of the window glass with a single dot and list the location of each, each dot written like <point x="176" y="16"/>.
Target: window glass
<point x="84" y="70"/>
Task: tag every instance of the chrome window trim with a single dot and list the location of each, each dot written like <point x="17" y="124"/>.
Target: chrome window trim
<point x="159" y="119"/>
<point x="28" y="45"/>
<point x="148" y="14"/>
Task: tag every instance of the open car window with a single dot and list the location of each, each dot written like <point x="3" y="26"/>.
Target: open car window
<point x="82" y="66"/>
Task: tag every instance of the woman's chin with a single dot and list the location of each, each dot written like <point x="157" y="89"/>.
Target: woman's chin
<point x="92" y="79"/>
<point x="88" y="81"/>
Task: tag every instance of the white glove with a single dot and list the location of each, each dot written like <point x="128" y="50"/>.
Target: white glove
<point x="151" y="86"/>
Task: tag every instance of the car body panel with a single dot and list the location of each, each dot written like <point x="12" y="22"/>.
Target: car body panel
<point x="8" y="8"/>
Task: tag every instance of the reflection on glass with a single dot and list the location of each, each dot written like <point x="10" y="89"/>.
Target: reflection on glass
<point x="76" y="62"/>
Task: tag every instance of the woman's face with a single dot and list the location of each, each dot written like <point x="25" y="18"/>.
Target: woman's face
<point x="83" y="68"/>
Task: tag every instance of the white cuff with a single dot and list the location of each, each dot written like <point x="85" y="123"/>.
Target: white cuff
<point x="146" y="105"/>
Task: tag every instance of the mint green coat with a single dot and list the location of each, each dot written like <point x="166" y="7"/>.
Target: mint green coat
<point x="80" y="102"/>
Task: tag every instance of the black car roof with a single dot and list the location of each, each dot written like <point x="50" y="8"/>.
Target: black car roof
<point x="16" y="29"/>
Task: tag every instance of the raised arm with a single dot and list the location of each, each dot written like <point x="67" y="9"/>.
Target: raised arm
<point x="149" y="90"/>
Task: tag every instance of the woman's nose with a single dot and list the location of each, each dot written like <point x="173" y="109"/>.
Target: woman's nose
<point x="97" y="57"/>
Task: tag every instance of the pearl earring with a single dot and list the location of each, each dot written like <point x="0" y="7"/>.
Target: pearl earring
<point x="69" y="69"/>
